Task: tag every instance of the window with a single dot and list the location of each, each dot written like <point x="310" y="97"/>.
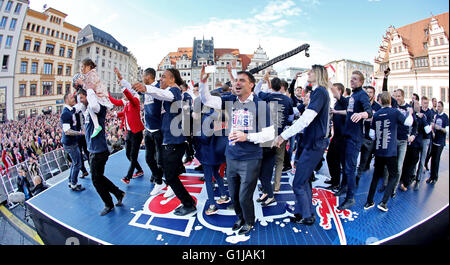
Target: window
<point x="53" y="32"/>
<point x="26" y="45"/>
<point x="48" y="68"/>
<point x="425" y="45"/>
<point x="3" y="22"/>
<point x="57" y="34"/>
<point x="443" y="92"/>
<point x="34" y="68"/>
<point x="32" y="27"/>
<point x="38" y="28"/>
<point x="59" y="89"/>
<point x="400" y="49"/>
<point x="104" y="52"/>
<point x="1" y="3"/>
<point x="436" y="42"/>
<point x="69" y="53"/>
<point x="441" y="40"/>
<point x="88" y="50"/>
<point x="61" y="51"/>
<point x="22" y="90"/>
<point x="33" y="89"/>
<point x="8" y="6"/>
<point x="5" y="62"/>
<point x="444" y="60"/>
<point x="23" y="67"/>
<point x="103" y="63"/>
<point x="97" y="50"/>
<point x="434" y="61"/>
<point x="60" y="70"/>
<point x="406" y="64"/>
<point x="50" y="49"/>
<point x="68" y="70"/>
<point x="67" y="88"/>
<point x="28" y="26"/>
<point x="47" y="88"/>
<point x="12" y="26"/>
<point x="430" y="92"/>
<point x="1" y="39"/>
<point x="423" y="91"/>
<point x="401" y="65"/>
<point x="37" y="46"/>
<point x="42" y="30"/>
<point x="8" y="42"/>
<point x="48" y="31"/>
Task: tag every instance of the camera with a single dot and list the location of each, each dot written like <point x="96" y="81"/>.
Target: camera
<point x="387" y="70"/>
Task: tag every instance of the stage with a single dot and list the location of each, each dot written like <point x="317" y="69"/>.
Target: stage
<point x="62" y="216"/>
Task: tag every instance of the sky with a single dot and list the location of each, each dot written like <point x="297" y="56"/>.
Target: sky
<point x="335" y="29"/>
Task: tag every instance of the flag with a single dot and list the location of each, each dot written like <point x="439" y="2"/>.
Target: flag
<point x="7" y="160"/>
<point x="331" y="71"/>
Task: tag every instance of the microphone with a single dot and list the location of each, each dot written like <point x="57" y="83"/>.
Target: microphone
<point x="16" y="197"/>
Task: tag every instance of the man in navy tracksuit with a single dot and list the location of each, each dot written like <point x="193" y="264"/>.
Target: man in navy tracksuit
<point x="173" y="146"/>
<point x="405" y="135"/>
<point x="383" y="130"/>
<point x="426" y="141"/>
<point x="153" y="137"/>
<point x="71" y="133"/>
<point x="440" y="129"/>
<point x="335" y="158"/>
<point x="367" y="146"/>
<point x="249" y="128"/>
<point x="98" y="156"/>
<point x="315" y="123"/>
<point x="414" y="148"/>
<point x="281" y="116"/>
<point x="359" y="108"/>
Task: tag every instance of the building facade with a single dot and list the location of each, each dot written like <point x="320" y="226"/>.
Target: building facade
<point x="107" y="53"/>
<point x="418" y="57"/>
<point x="189" y="62"/>
<point x="12" y="15"/>
<point x="340" y="71"/>
<point x="44" y="63"/>
<point x="289" y="74"/>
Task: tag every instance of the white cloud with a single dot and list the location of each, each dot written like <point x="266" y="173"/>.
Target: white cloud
<point x="266" y="26"/>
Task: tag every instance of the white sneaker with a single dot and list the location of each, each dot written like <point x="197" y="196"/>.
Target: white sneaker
<point x="157" y="189"/>
<point x="169" y="193"/>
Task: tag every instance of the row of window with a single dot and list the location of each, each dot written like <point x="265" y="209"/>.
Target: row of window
<point x="97" y="51"/>
<point x="12" y="24"/>
<point x="47" y="70"/>
<point x="400" y="65"/>
<point x="49" y="48"/>
<point x="424" y="91"/>
<point x="51" y="32"/>
<point x="439" y="61"/>
<point x="33" y="112"/>
<point x="47" y="89"/>
<point x="9" y="5"/>
<point x="420" y="62"/>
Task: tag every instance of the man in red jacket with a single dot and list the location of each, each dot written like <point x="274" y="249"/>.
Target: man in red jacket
<point x="131" y="118"/>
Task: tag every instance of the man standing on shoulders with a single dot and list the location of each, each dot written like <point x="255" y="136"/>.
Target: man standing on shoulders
<point x="99" y="155"/>
<point x="70" y="140"/>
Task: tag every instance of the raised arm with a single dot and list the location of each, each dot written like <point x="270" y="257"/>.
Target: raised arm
<point x="206" y="97"/>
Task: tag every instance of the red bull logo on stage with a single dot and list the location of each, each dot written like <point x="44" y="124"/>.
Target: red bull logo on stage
<point x="157" y="213"/>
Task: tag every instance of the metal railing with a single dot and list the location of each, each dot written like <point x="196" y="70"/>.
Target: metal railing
<point x="49" y="165"/>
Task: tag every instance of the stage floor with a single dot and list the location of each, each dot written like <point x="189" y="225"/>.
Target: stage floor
<point x="145" y="220"/>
